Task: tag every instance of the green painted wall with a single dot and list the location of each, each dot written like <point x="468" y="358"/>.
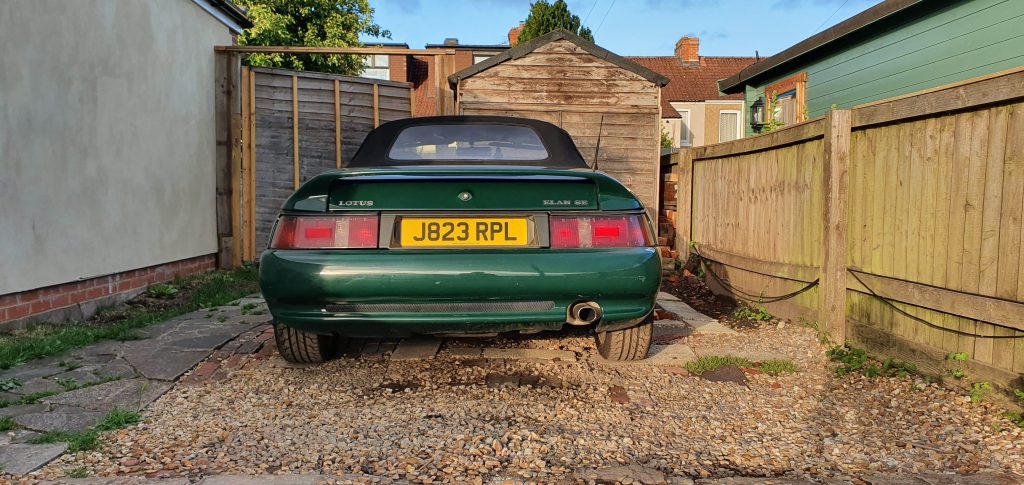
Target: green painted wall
<point x="958" y="40"/>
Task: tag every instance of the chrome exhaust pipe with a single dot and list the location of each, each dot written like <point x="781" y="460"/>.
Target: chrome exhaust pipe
<point x="584" y="313"/>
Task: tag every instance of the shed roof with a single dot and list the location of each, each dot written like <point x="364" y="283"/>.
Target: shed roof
<point x="827" y="37"/>
<point x="560" y="34"/>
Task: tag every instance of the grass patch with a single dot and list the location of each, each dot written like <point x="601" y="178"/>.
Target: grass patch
<point x="6" y="423"/>
<point x="89" y="439"/>
<point x="117" y="419"/>
<point x="77" y="441"/>
<point x="121" y="322"/>
<point x="776" y="367"/>
<point x="713" y="362"/>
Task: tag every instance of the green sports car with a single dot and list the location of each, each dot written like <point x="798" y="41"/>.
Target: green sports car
<point x="461" y="225"/>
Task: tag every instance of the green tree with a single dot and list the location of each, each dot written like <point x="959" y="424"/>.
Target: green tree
<point x="313" y="23"/>
<point x="545" y="17"/>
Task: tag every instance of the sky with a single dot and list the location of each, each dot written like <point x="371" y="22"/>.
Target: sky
<point x="626" y="27"/>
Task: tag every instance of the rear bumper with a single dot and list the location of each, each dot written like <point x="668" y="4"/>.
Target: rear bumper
<point x="395" y="293"/>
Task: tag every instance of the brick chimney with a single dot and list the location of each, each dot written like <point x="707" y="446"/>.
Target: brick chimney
<point x="688" y="49"/>
<point x="513" y="34"/>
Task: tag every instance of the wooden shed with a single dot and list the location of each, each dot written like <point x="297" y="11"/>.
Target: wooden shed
<point x="595" y="95"/>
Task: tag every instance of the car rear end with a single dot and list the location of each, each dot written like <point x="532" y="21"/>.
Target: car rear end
<point x="461" y="225"/>
<point x="460" y="251"/>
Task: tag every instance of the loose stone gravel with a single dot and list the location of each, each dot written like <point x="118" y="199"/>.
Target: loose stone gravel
<point x="439" y="420"/>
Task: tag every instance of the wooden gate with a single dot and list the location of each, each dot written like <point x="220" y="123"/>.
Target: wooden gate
<point x="294" y="126"/>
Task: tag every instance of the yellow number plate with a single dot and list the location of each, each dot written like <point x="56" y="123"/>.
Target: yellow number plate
<point x="464" y="232"/>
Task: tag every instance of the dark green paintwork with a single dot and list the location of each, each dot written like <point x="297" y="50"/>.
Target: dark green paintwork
<point x="300" y="284"/>
<point x="937" y="43"/>
<point x="532" y="185"/>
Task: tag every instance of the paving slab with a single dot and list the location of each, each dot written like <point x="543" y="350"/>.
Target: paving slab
<point x="131" y="394"/>
<point x="466" y="352"/>
<point x="416" y="349"/>
<point x="700" y="322"/>
<point x="529" y="354"/>
<point x="32" y="370"/>
<point x="665" y="296"/>
<point x="670" y="355"/>
<point x="667" y="330"/>
<point x="753" y="356"/>
<point x="62" y="418"/>
<point x="11" y="411"/>
<point x="19" y="459"/>
<point x="37" y="385"/>
<point x="121" y="481"/>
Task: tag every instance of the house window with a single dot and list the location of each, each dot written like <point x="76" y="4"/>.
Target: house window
<point x="685" y="139"/>
<point x="728" y="125"/>
<point x="785" y="108"/>
<point x="376" y="67"/>
<point x="478" y="58"/>
<point x="789" y="102"/>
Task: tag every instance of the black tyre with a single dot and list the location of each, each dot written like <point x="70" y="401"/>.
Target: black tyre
<point x="302" y="347"/>
<point x="627" y="344"/>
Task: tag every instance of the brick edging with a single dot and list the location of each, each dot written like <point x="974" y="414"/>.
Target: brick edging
<point x="78" y="300"/>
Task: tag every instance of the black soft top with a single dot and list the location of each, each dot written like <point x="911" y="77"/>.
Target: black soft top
<point x="561" y="151"/>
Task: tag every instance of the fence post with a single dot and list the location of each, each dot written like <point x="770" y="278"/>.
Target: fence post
<point x="684" y="201"/>
<point x="835" y="180"/>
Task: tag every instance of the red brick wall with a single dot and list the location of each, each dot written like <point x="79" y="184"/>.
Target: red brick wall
<point x="398" y="68"/>
<point x="421" y="75"/>
<point x="15" y="306"/>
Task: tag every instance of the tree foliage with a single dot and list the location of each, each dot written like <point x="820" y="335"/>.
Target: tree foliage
<point x="545" y="17"/>
<point x="313" y="23"/>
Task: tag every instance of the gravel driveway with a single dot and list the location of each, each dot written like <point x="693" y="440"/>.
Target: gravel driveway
<point x="459" y="417"/>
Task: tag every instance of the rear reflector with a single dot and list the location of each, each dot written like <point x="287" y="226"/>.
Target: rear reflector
<point x="625" y="231"/>
<point x="334" y="232"/>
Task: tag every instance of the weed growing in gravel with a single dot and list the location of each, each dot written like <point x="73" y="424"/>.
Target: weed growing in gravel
<point x="80" y="472"/>
<point x="206" y="290"/>
<point x="162" y="291"/>
<point x="854" y="360"/>
<point x="6" y="423"/>
<point x="9" y="384"/>
<point x="758" y="314"/>
<point x="979" y="390"/>
<point x="957" y="372"/>
<point x="1015" y="417"/>
<point x="1020" y="395"/>
<point x="90" y="438"/>
<point x="776" y="367"/>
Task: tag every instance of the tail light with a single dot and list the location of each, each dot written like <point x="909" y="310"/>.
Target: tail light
<point x="330" y="232"/>
<point x="624" y="231"/>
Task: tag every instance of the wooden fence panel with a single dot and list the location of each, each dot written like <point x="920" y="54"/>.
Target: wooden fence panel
<point x="934" y="238"/>
<point x="762" y="206"/>
<point x="304" y="124"/>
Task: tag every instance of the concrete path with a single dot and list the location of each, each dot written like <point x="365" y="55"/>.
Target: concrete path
<point x="73" y="391"/>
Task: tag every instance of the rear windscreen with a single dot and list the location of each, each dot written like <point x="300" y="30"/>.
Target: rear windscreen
<point x="475" y="141"/>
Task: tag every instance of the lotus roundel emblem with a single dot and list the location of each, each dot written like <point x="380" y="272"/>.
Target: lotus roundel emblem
<point x="465" y="196"/>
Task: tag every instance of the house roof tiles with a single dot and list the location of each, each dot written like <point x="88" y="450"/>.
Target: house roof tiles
<point x="692" y="81"/>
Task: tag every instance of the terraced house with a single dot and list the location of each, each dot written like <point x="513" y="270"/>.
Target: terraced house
<point x="693" y="112"/>
<point x="894" y="48"/>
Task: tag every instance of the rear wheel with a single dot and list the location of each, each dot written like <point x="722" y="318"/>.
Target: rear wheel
<point x="302" y="347"/>
<point x="627" y="344"/>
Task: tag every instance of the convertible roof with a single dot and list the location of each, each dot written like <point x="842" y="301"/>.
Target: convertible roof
<point x="562" y="152"/>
